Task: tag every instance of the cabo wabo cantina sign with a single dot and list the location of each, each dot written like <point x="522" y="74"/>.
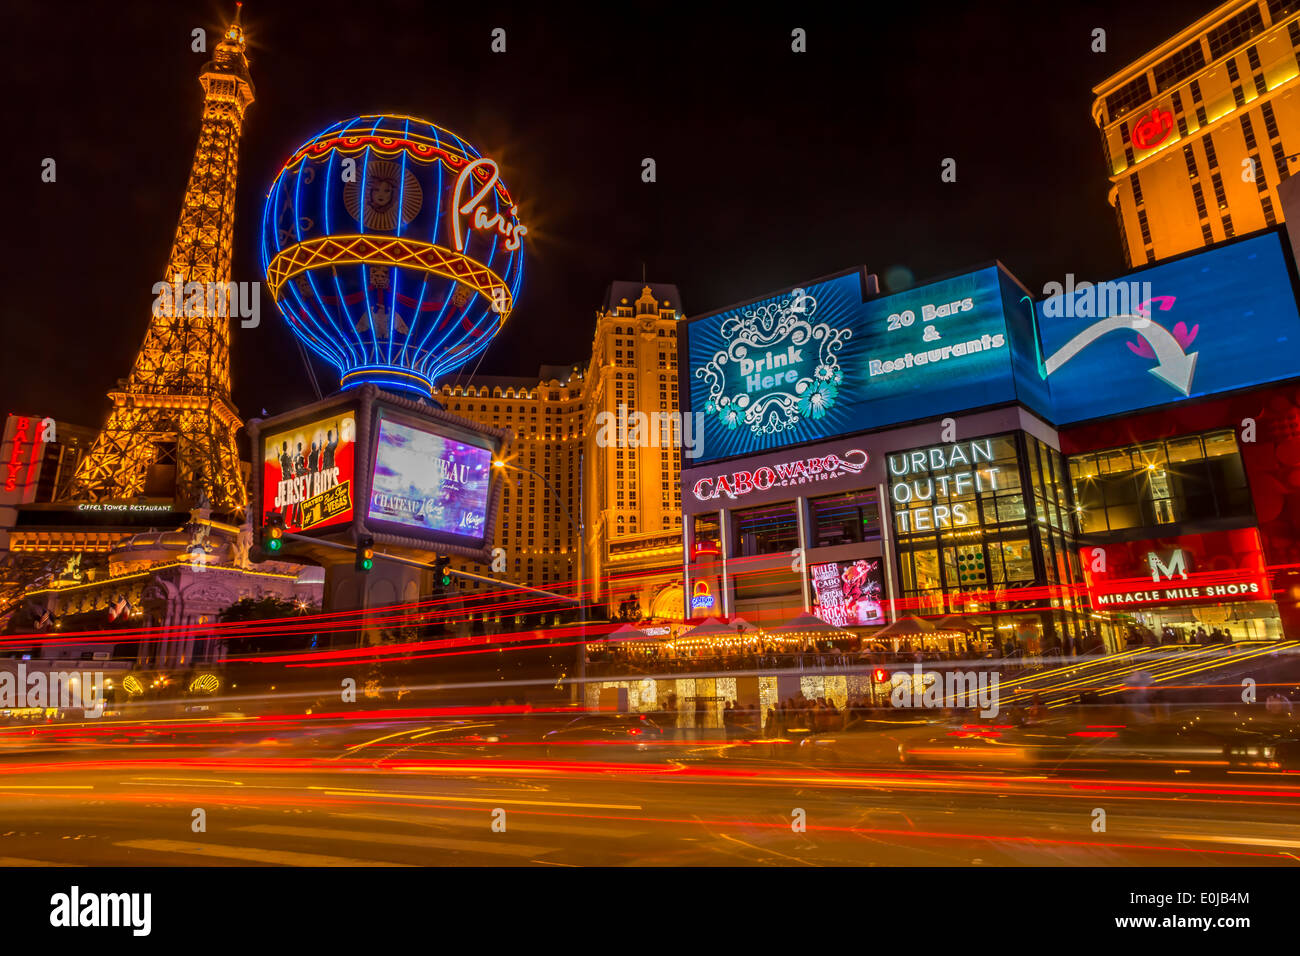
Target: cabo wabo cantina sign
<point x="780" y="475"/>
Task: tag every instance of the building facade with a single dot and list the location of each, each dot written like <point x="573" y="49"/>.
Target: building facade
<point x="1197" y="133"/>
<point x="591" y="452"/>
<point x="536" y="532"/>
<point x="1053" y="476"/>
<point x="632" y="453"/>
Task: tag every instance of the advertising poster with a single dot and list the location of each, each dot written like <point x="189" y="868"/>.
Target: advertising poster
<point x="817" y="362"/>
<point x="848" y="593"/>
<point x="308" y="473"/>
<point x="428" y="484"/>
<point x="1213" y="322"/>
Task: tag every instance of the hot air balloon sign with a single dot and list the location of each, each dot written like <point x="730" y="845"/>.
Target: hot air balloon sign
<point x="393" y="249"/>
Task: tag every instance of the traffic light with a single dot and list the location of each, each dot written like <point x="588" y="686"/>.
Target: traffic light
<point x="365" y="554"/>
<point x="273" y="531"/>
<point x="441" y="574"/>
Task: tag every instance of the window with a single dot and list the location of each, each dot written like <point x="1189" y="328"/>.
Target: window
<point x="1179" y="66"/>
<point x="1235" y="32"/>
<point x="768" y="530"/>
<point x="1192" y="478"/>
<point x="1131" y="94"/>
<point x="845" y="519"/>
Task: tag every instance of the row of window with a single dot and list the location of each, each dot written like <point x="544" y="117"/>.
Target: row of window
<point x="1191" y="58"/>
<point x="1011" y="488"/>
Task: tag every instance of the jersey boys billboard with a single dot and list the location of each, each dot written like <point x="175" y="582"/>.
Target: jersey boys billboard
<point x="427" y="485"/>
<point x="308" y="473"/>
<point x="819" y="362"/>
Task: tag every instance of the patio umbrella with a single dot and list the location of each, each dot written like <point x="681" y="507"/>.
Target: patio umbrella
<point x="953" y="623"/>
<point x="804" y="624"/>
<point x="807" y="625"/>
<point x="709" y="627"/>
<point x="904" y="627"/>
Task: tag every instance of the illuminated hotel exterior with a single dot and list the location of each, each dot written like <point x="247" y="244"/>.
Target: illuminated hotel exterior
<point x="545" y="415"/>
<point x="566" y="428"/>
<point x="1196" y="134"/>
<point x="631" y="499"/>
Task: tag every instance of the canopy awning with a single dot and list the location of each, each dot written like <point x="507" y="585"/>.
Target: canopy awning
<point x="807" y="625"/>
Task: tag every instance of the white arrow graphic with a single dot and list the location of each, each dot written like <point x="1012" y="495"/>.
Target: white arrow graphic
<point x="1176" y="366"/>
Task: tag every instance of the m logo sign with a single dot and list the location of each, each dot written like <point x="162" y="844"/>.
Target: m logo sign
<point x="1160" y="568"/>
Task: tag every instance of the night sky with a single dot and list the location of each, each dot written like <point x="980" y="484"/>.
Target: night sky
<point x="773" y="167"/>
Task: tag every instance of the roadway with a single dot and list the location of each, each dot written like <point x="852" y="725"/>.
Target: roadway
<point x="402" y="792"/>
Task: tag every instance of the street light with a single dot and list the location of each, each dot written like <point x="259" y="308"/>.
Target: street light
<point x="577" y="524"/>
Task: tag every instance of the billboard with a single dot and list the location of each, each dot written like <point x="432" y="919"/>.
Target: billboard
<point x="817" y="361"/>
<point x="848" y="593"/>
<point x="428" y="485"/>
<point x="1216" y="321"/>
<point x="308" y="472"/>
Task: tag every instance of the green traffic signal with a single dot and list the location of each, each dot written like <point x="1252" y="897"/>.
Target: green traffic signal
<point x="365" y="556"/>
<point x="274" y="544"/>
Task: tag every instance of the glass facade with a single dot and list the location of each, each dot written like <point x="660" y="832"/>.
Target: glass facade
<point x="1190" y="478"/>
<point x="845" y="519"/>
<point x="708" y="534"/>
<point x="768" y="530"/>
<point x="978" y="522"/>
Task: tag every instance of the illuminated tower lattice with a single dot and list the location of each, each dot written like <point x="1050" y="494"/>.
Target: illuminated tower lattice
<point x="172" y="425"/>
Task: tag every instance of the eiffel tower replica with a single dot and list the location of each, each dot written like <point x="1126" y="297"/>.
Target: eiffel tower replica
<point x="171" y="431"/>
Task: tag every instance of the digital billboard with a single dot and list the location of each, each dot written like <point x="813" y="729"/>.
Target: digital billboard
<point x="1215" y="321"/>
<point x="428" y="485"/>
<point x="818" y="361"/>
<point x="848" y="593"/>
<point x="308" y="473"/>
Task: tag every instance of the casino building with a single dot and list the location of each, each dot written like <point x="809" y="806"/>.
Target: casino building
<point x="1199" y="133"/>
<point x="1109" y="464"/>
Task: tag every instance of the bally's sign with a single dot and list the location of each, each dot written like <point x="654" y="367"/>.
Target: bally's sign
<point x="780" y="475"/>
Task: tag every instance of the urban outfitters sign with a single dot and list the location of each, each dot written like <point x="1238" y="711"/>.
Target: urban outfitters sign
<point x="922" y="481"/>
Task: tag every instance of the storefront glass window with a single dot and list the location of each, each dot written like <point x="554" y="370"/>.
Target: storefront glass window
<point x="708" y="534"/>
<point x="1191" y="478"/>
<point x="977" y="523"/>
<point x="767" y="530"/>
<point x="845" y="519"/>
